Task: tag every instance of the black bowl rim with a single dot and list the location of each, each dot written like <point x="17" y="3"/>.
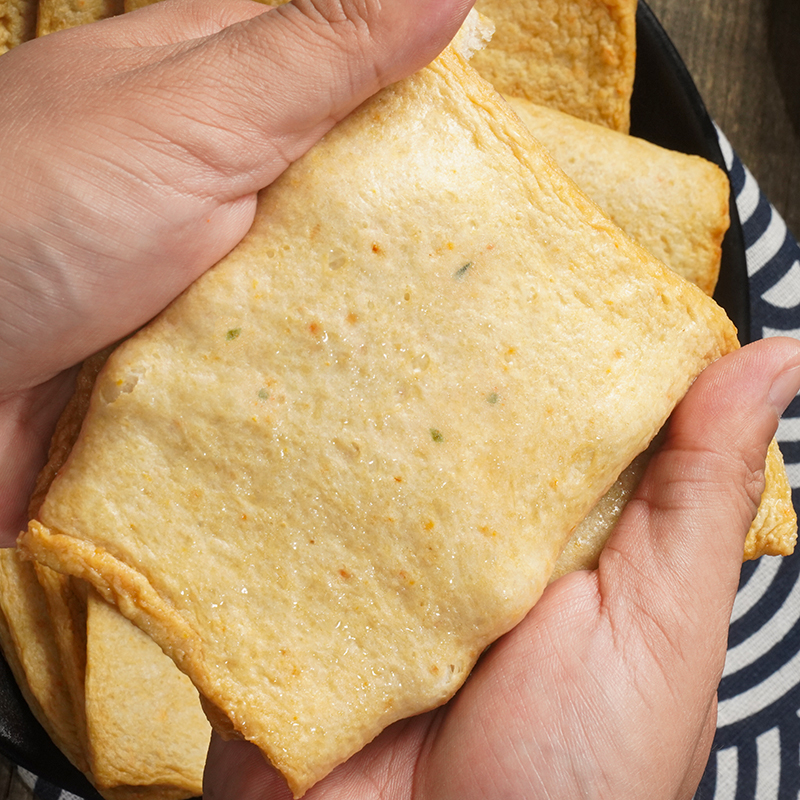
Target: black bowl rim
<point x="667" y="109"/>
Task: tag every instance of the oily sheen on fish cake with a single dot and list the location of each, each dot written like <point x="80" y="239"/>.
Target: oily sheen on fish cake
<point x="346" y="459"/>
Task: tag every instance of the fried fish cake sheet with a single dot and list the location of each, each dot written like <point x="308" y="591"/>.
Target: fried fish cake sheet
<point x="675" y="205"/>
<point x="57" y="15"/>
<point x="29" y="645"/>
<point x="578" y="56"/>
<point x="17" y="22"/>
<point x="774" y="530"/>
<point x="146" y="727"/>
<point x="347" y="458"/>
<point x="107" y="696"/>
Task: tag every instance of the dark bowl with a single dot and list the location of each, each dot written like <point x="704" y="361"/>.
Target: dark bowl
<point x="667" y="110"/>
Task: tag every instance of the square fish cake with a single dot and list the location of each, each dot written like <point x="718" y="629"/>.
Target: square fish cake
<point x="346" y="459"/>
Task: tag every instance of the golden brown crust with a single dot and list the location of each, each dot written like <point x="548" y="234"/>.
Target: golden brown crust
<point x="577" y="56"/>
<point x="57" y="15"/>
<point x="17" y="22"/>
<point x="674" y="205"/>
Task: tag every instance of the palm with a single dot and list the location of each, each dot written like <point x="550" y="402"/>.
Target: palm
<point x="578" y="701"/>
<point x="571" y="703"/>
<point x="607" y="689"/>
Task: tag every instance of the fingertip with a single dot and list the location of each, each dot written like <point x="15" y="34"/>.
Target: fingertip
<point x="424" y="29"/>
<point x="381" y="43"/>
<point x="739" y="398"/>
<point x="786" y="383"/>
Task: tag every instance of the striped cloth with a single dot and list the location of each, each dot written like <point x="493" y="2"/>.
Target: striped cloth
<point x="756" y="753"/>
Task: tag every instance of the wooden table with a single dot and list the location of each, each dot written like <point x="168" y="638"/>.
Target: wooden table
<point x="11" y="785"/>
<point x="744" y="56"/>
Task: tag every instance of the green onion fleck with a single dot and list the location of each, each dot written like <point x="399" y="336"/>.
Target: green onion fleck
<point x="232" y="334"/>
<point x="437" y="435"/>
<point x="263" y="394"/>
<point x="492" y="397"/>
<point x="461" y="272"/>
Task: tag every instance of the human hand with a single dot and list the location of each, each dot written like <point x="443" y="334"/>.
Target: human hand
<point x="131" y="152"/>
<point x="607" y="689"/>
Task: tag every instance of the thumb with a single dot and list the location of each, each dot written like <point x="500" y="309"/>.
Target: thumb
<point x="675" y="556"/>
<point x="134" y="149"/>
<point x="271" y="84"/>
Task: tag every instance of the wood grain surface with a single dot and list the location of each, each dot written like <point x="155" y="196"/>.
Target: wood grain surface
<point x="744" y="56"/>
<point x="11" y="785"/>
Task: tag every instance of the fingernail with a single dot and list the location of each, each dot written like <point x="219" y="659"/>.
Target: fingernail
<point x="784" y="389"/>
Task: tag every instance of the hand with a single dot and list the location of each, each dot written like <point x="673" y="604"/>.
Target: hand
<point x="607" y="689"/>
<point x="131" y="152"/>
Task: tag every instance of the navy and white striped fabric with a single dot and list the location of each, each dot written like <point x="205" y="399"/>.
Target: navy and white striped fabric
<point x="44" y="790"/>
<point x="756" y="753"/>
